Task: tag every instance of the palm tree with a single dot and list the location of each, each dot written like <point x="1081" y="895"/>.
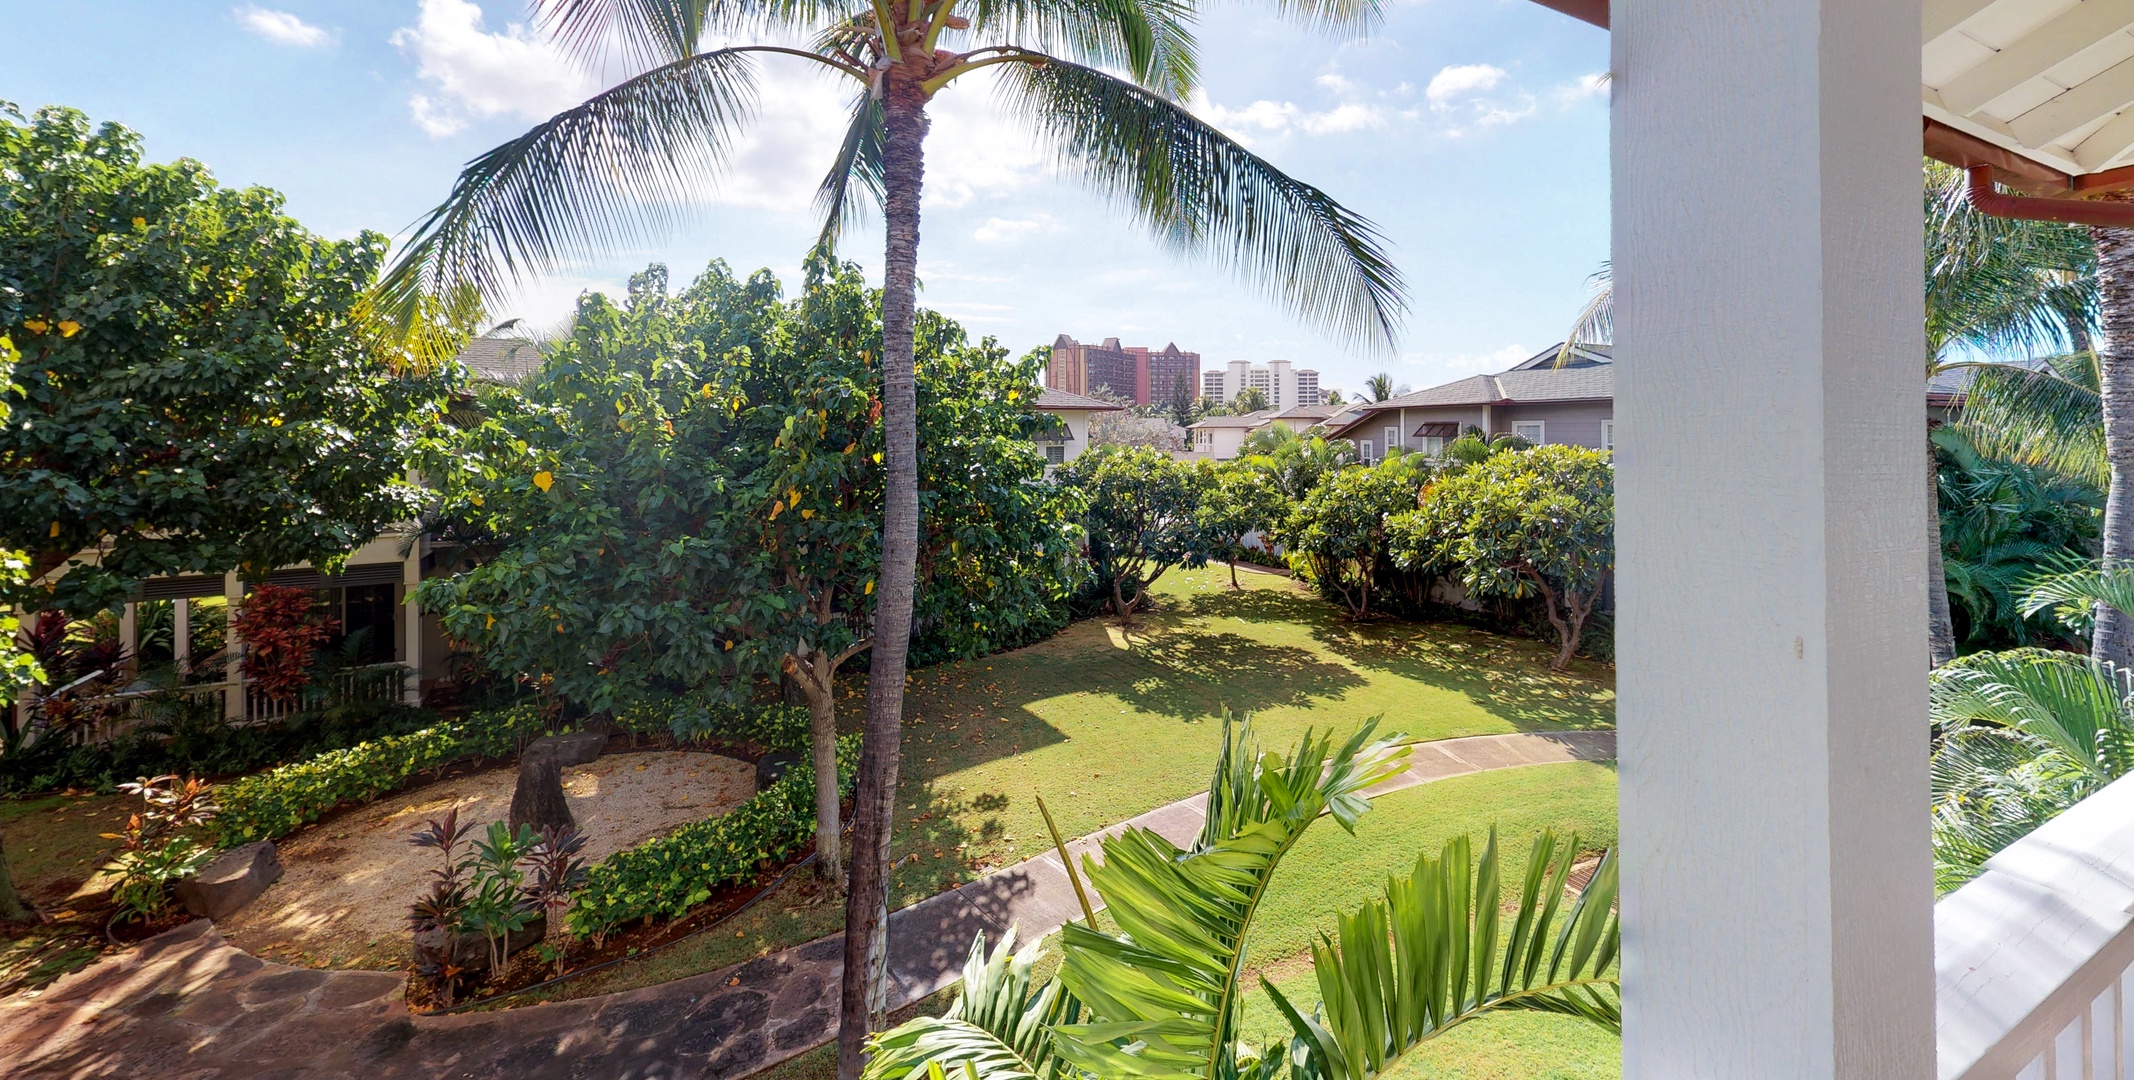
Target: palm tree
<point x="1249" y="400"/>
<point x="612" y="167"/>
<point x="1379" y="386"/>
<point x="1161" y="997"/>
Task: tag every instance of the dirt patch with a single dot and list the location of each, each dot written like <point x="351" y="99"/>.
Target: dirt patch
<point x="346" y="885"/>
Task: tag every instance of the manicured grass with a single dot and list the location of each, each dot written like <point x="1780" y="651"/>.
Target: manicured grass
<point x="54" y="842"/>
<point x="1106" y="722"/>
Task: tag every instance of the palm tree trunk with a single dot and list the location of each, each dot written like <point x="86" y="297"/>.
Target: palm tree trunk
<point x="2114" y="637"/>
<point x="874" y="808"/>
<point x="1941" y="629"/>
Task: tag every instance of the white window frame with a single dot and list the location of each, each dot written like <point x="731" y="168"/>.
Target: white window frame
<point x="1541" y="431"/>
<point x="1608" y="435"/>
<point x="1433" y="445"/>
<point x="1363" y="451"/>
<point x="1055" y="453"/>
<point x="1392" y="436"/>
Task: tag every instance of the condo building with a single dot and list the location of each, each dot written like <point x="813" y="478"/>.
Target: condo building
<point x="1278" y="381"/>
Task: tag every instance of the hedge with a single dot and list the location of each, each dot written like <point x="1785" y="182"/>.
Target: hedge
<point x="670" y="874"/>
<point x="700" y="714"/>
<point x="274" y="803"/>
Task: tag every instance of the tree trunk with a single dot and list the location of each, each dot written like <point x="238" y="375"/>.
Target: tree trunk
<point x="13" y="908"/>
<point x="2113" y="639"/>
<point x="538" y="800"/>
<point x="874" y="810"/>
<point x="1941" y="629"/>
<point x="1233" y="571"/>
<point x="820" y="689"/>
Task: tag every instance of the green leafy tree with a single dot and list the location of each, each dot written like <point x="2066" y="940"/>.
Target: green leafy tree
<point x="1143" y="518"/>
<point x="1161" y="997"/>
<point x="686" y="498"/>
<point x="1531" y="523"/>
<point x="592" y="173"/>
<point x="1251" y="399"/>
<point x="18" y="670"/>
<point x="197" y="389"/>
<point x="1238" y="498"/>
<point x="1340" y="537"/>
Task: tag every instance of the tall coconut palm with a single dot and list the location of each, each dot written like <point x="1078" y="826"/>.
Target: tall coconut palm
<point x="607" y="169"/>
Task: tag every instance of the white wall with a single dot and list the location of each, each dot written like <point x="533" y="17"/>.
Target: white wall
<point x="1771" y="517"/>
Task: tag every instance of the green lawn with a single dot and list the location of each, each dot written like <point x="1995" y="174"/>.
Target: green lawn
<point x="1106" y="723"/>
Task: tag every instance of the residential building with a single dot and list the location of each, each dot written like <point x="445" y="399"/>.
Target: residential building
<point x="1127" y="372"/>
<point x="1065" y="440"/>
<point x="1279" y="381"/>
<point x="1538" y="400"/>
<point x="1221" y="437"/>
<point x="1211" y="383"/>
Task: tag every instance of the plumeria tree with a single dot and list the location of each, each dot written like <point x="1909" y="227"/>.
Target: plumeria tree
<point x="595" y="172"/>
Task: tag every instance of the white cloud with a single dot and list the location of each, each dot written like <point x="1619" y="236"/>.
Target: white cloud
<point x="1005" y="230"/>
<point x="280" y="27"/>
<point x="477" y="75"/>
<point x="1453" y="84"/>
<point x="1580" y="89"/>
<point x="1440" y="368"/>
<point x="1283" y="117"/>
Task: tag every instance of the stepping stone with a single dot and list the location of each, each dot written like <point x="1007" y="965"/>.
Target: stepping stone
<point x="234" y="879"/>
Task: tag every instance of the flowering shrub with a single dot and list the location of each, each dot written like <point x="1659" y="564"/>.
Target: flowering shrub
<point x="281" y="629"/>
<point x="668" y="875"/>
<point x="275" y="803"/>
<point x="156" y="846"/>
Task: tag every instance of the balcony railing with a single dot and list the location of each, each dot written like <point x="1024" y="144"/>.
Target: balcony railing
<point x="126" y="710"/>
<point x="2032" y="960"/>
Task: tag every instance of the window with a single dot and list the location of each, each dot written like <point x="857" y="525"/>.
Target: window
<point x="1055" y="454"/>
<point x="1607" y="434"/>
<point x="1363" y="451"/>
<point x="1392" y="437"/>
<point x="1533" y="431"/>
<point x="1433" y="445"/>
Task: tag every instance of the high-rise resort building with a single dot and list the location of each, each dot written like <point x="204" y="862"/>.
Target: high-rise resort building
<point x="1281" y="384"/>
<point x="1133" y="373"/>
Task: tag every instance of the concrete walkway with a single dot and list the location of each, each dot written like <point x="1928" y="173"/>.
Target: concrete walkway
<point x="189" y="1005"/>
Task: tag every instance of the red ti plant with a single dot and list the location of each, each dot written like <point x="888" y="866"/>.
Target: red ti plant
<point x="281" y="629"/>
<point x="440" y="907"/>
<point x="558" y="871"/>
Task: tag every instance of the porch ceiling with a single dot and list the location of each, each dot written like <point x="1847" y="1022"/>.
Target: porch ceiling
<point x="2039" y="89"/>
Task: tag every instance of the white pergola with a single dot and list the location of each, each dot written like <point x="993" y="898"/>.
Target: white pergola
<point x="1778" y="905"/>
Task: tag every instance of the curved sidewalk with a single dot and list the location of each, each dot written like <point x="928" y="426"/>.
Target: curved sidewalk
<point x="189" y="1005"/>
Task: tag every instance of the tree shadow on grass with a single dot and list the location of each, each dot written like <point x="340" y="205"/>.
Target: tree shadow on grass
<point x="1510" y="676"/>
<point x="1190" y="673"/>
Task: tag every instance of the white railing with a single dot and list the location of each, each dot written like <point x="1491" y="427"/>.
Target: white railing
<point x="371" y="682"/>
<point x="350" y="685"/>
<point x="2032" y="960"/>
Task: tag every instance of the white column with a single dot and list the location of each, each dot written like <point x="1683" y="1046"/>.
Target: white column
<point x="1771" y="639"/>
<point x="233" y="669"/>
<point x="130" y="637"/>
<point x="181" y="637"/>
<point x="411" y="622"/>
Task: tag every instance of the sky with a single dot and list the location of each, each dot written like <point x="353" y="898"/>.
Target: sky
<point x="1472" y="133"/>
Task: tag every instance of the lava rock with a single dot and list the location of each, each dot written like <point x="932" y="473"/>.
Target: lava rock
<point x="770" y="768"/>
<point x="538" y="799"/>
<point x="234" y="879"/>
<point x="570" y="748"/>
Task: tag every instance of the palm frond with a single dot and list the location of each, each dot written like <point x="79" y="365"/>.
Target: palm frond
<point x="585" y="179"/>
<point x="1999" y="284"/>
<point x="859" y="159"/>
<point x="1203" y="193"/>
<point x="997" y="1029"/>
<point x="1162" y="993"/>
<point x="1992" y="786"/>
<point x="1427" y="958"/>
<point x="2077" y="706"/>
<point x="2072" y="587"/>
<point x="652" y="32"/>
<point x="1151" y="40"/>
<point x="1595" y="323"/>
<point x="2050" y="416"/>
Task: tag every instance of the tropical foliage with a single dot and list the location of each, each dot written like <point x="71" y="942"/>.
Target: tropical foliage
<point x="1142" y="516"/>
<point x="205" y="387"/>
<point x="1537" y="522"/>
<point x="1159" y="996"/>
<point x="1238" y="498"/>
<point x="2001" y="522"/>
<point x="1340" y="537"/>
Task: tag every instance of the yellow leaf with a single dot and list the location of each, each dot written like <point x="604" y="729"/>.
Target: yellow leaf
<point x="69" y="328"/>
<point x="490" y="623"/>
<point x="877" y="457"/>
<point x="559" y="628"/>
<point x="807" y="515"/>
<point x="140" y="223"/>
<point x="477" y="500"/>
<point x="36" y="326"/>
<point x="870" y="588"/>
<point x="850" y="447"/>
<point x="792" y="495"/>
<point x="777" y="508"/>
<point x="706" y="392"/>
<point x="729" y="646"/>
<point x="55" y="529"/>
<point x="544" y="479"/>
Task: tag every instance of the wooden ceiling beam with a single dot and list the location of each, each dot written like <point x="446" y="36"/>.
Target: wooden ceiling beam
<point x="1963" y="150"/>
<point x="1938" y="17"/>
<point x="2034" y="53"/>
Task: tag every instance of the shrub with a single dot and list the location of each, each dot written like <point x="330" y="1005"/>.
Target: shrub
<point x="668" y="875"/>
<point x="1338" y="536"/>
<point x="705" y="714"/>
<point x="156" y="845"/>
<point x="282" y="629"/>
<point x="275" y="803"/>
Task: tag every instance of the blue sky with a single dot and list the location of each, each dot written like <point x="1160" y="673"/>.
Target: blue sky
<point x="1473" y="132"/>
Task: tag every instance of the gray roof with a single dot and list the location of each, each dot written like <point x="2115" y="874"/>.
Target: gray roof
<point x="1055" y="400"/>
<point x="1306" y="412"/>
<point x="505" y="361"/>
<point x="1249" y="420"/>
<point x="1593" y="381"/>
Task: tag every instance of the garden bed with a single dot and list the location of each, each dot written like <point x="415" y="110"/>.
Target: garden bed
<point x="346" y="882"/>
